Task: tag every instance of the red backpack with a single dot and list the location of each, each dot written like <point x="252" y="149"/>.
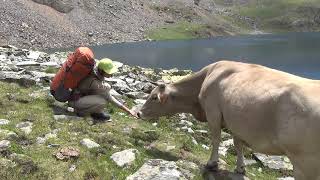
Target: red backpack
<point x="78" y="65"/>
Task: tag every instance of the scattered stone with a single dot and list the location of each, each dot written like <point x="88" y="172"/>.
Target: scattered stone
<point x="8" y="135"/>
<point x="65" y="117"/>
<point x="169" y="148"/>
<point x="205" y="147"/>
<point x="185" y="123"/>
<point x="89" y="143"/>
<point x="40" y="140"/>
<point x="67" y="153"/>
<point x="203" y="132"/>
<point x="26" y="127"/>
<point x="157" y="169"/>
<point x="4" y="122"/>
<point x="187" y="165"/>
<point x="225" y="136"/>
<point x="249" y="162"/>
<point x="274" y="162"/>
<point x="4" y="145"/>
<point x="26" y="163"/>
<point x="194" y="141"/>
<point x="28" y="63"/>
<point x="224" y="146"/>
<point x="139" y="101"/>
<point x="286" y="178"/>
<point x="72" y="168"/>
<point x="127" y="130"/>
<point x="34" y="55"/>
<point x="50" y="64"/>
<point x="124" y="158"/>
<point x="6" y="163"/>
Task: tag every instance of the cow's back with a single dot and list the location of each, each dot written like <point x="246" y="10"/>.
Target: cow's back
<point x="264" y="107"/>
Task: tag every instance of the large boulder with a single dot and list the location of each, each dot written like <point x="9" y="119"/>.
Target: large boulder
<point x="63" y="6"/>
<point x="157" y="169"/>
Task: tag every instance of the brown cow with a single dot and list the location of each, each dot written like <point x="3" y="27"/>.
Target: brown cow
<point x="272" y="112"/>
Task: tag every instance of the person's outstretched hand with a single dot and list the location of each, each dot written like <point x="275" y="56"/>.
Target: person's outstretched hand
<point x="133" y="113"/>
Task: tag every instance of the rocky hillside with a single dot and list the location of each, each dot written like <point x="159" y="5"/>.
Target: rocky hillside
<point x="43" y="139"/>
<point x="41" y="24"/>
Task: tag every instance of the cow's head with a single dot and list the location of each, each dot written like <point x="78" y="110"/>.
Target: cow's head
<point x="159" y="103"/>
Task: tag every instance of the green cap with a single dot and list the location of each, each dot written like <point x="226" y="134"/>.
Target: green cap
<point x="107" y="66"/>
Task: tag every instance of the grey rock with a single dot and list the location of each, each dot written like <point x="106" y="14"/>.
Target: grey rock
<point x="158" y="169"/>
<point x="28" y="63"/>
<point x="26" y="127"/>
<point x="40" y="140"/>
<point x="4" y="121"/>
<point x="249" y="162"/>
<point x="185" y="123"/>
<point x="204" y="132"/>
<point x="72" y="168"/>
<point x="50" y="64"/>
<point x="139" y="101"/>
<point x="8" y="135"/>
<point x="286" y="178"/>
<point x="225" y="136"/>
<point x="3" y="57"/>
<point x="223" y="175"/>
<point x="34" y="55"/>
<point x="4" y="145"/>
<point x="274" y="162"/>
<point x="6" y="163"/>
<point x="63" y="6"/>
<point x="124" y="158"/>
<point x="65" y="117"/>
<point x="23" y="80"/>
<point x="224" y="146"/>
<point x="89" y="143"/>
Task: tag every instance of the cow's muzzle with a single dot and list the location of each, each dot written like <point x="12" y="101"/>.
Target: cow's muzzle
<point x="139" y="114"/>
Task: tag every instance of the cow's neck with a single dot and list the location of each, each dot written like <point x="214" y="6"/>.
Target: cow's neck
<point x="187" y="92"/>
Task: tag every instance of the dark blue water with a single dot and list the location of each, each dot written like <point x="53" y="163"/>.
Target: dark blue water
<point x="297" y="53"/>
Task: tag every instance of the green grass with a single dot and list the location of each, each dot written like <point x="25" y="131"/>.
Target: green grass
<point x="270" y="16"/>
<point x="150" y="141"/>
<point x="181" y="30"/>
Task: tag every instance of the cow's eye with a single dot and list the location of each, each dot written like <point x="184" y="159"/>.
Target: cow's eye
<point x="154" y="98"/>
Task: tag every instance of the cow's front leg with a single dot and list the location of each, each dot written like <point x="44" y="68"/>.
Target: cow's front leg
<point x="214" y="123"/>
<point x="239" y="146"/>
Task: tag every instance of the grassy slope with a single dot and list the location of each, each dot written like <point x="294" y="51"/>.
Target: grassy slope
<point x="271" y="16"/>
<point x="17" y="105"/>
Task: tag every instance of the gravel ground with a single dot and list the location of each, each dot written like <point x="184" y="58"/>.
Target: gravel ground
<point x="68" y="23"/>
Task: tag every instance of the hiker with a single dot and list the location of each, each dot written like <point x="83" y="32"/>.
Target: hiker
<point x="80" y="81"/>
<point x="91" y="95"/>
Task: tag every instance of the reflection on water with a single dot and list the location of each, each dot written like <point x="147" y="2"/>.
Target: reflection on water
<point x="297" y="53"/>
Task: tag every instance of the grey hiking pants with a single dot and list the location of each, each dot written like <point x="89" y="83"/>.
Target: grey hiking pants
<point x="89" y="104"/>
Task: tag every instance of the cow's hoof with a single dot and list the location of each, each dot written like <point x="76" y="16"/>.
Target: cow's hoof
<point x="213" y="167"/>
<point x="241" y="170"/>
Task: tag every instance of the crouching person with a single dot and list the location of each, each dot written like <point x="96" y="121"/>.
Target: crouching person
<point x="79" y="82"/>
<point x="92" y="93"/>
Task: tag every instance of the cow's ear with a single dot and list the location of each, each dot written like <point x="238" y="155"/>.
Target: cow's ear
<point x="162" y="97"/>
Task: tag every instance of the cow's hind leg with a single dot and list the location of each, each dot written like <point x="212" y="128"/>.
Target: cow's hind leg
<point x="306" y="167"/>
<point x="239" y="146"/>
<point x="214" y="122"/>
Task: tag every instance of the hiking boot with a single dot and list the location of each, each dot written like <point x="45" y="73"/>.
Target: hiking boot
<point x="80" y="114"/>
<point x="100" y="116"/>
